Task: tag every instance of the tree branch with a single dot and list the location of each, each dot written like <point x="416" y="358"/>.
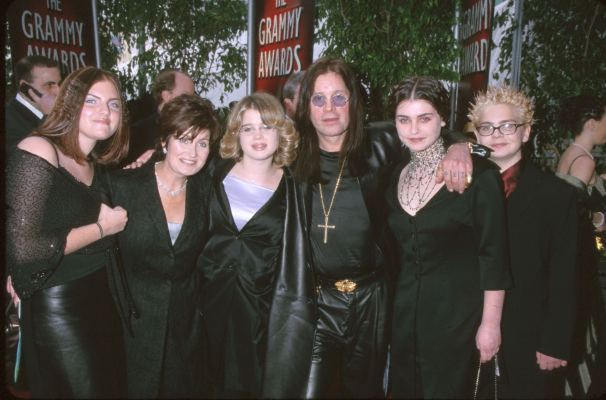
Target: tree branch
<point x="595" y="16"/>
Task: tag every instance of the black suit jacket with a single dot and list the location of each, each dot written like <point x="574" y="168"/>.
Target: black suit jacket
<point x="162" y="280"/>
<point x="539" y="311"/>
<point x="19" y="122"/>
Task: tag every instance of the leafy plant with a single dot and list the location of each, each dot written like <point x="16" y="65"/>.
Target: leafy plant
<point x="563" y="50"/>
<point x="387" y="40"/>
<point x="200" y="37"/>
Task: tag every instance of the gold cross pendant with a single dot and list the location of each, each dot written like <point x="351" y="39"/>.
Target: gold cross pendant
<point x="326" y="228"/>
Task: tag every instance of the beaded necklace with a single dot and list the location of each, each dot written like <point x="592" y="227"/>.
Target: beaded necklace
<point x="418" y="182"/>
<point x="165" y="188"/>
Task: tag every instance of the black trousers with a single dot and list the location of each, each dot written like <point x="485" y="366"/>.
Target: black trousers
<point x="350" y="347"/>
<point x="72" y="341"/>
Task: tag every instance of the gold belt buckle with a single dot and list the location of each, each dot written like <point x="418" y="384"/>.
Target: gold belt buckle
<point x="345" y="286"/>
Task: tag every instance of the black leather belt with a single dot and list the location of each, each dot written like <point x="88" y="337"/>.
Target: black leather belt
<point x="347" y="285"/>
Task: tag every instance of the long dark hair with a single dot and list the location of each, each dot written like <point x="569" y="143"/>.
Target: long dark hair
<point x="308" y="165"/>
<point x="422" y="88"/>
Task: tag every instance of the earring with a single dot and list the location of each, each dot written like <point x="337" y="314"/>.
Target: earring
<point x="164" y="149"/>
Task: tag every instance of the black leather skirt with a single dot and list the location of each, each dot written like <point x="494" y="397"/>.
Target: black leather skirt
<point x="72" y="341"/>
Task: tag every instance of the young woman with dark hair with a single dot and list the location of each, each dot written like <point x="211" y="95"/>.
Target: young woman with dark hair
<point x="449" y="292"/>
<point x="60" y="245"/>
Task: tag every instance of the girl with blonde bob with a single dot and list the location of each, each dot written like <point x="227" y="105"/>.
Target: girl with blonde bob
<point x="272" y="116"/>
<point x="257" y="292"/>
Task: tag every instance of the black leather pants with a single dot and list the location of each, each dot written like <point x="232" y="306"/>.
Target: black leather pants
<point x="72" y="341"/>
<point x="350" y="348"/>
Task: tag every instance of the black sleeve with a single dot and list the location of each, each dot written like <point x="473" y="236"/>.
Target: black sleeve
<point x="33" y="248"/>
<point x="490" y="228"/>
<point x="559" y="312"/>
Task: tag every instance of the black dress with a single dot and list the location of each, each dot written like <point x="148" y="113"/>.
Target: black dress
<point x="238" y="269"/>
<point x="72" y="336"/>
<point x="164" y="355"/>
<point x="452" y="250"/>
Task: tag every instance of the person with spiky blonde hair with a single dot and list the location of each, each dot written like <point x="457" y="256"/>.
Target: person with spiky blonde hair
<point x="539" y="311"/>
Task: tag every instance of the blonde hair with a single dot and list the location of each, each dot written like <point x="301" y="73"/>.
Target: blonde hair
<point x="502" y="95"/>
<point x="272" y="114"/>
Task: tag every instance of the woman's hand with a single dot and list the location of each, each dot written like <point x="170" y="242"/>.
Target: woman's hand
<point x="112" y="220"/>
<point x="11" y="291"/>
<point x="488" y="340"/>
<point x="598" y="221"/>
<point x="549" y="363"/>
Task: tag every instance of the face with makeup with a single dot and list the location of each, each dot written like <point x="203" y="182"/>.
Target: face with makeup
<point x="258" y="141"/>
<point x="418" y="124"/>
<point x="101" y="113"/>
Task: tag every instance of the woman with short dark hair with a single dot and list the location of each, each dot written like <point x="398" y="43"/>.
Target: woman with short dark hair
<point x="167" y="202"/>
<point x="584" y="116"/>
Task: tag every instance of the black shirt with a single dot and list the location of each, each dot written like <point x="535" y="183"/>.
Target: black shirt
<point x="349" y="250"/>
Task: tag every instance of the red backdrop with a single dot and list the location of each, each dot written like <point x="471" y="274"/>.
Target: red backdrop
<point x="475" y="33"/>
<point x="283" y="41"/>
<point x="59" y="29"/>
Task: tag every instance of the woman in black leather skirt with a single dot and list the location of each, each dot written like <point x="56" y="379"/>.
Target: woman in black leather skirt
<point x="60" y="248"/>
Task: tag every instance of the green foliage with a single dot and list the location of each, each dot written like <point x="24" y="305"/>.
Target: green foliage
<point x="387" y="40"/>
<point x="197" y="36"/>
<point x="563" y="54"/>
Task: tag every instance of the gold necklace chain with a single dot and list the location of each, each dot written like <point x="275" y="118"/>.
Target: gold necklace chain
<point x="332" y="200"/>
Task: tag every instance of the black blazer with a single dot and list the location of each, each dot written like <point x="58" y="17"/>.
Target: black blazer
<point x="539" y="311"/>
<point x="19" y="121"/>
<point x="162" y="281"/>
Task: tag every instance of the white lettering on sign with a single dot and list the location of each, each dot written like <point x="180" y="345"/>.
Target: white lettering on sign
<point x="475" y="57"/>
<point x="281" y="27"/>
<point x="476" y="18"/>
<point x="52" y="29"/>
<point x="279" y="62"/>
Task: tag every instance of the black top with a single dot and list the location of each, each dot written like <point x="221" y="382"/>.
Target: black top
<point x="450" y="252"/>
<point x="44" y="204"/>
<point x="238" y="272"/>
<point x="349" y="250"/>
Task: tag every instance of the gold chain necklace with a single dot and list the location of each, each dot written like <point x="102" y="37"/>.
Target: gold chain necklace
<point x="325" y="226"/>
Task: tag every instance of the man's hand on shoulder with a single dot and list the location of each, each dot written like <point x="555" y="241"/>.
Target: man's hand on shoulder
<point x="456" y="168"/>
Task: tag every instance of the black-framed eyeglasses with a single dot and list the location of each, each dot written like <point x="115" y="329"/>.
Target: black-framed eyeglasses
<point x="337" y="100"/>
<point x="508" y="128"/>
